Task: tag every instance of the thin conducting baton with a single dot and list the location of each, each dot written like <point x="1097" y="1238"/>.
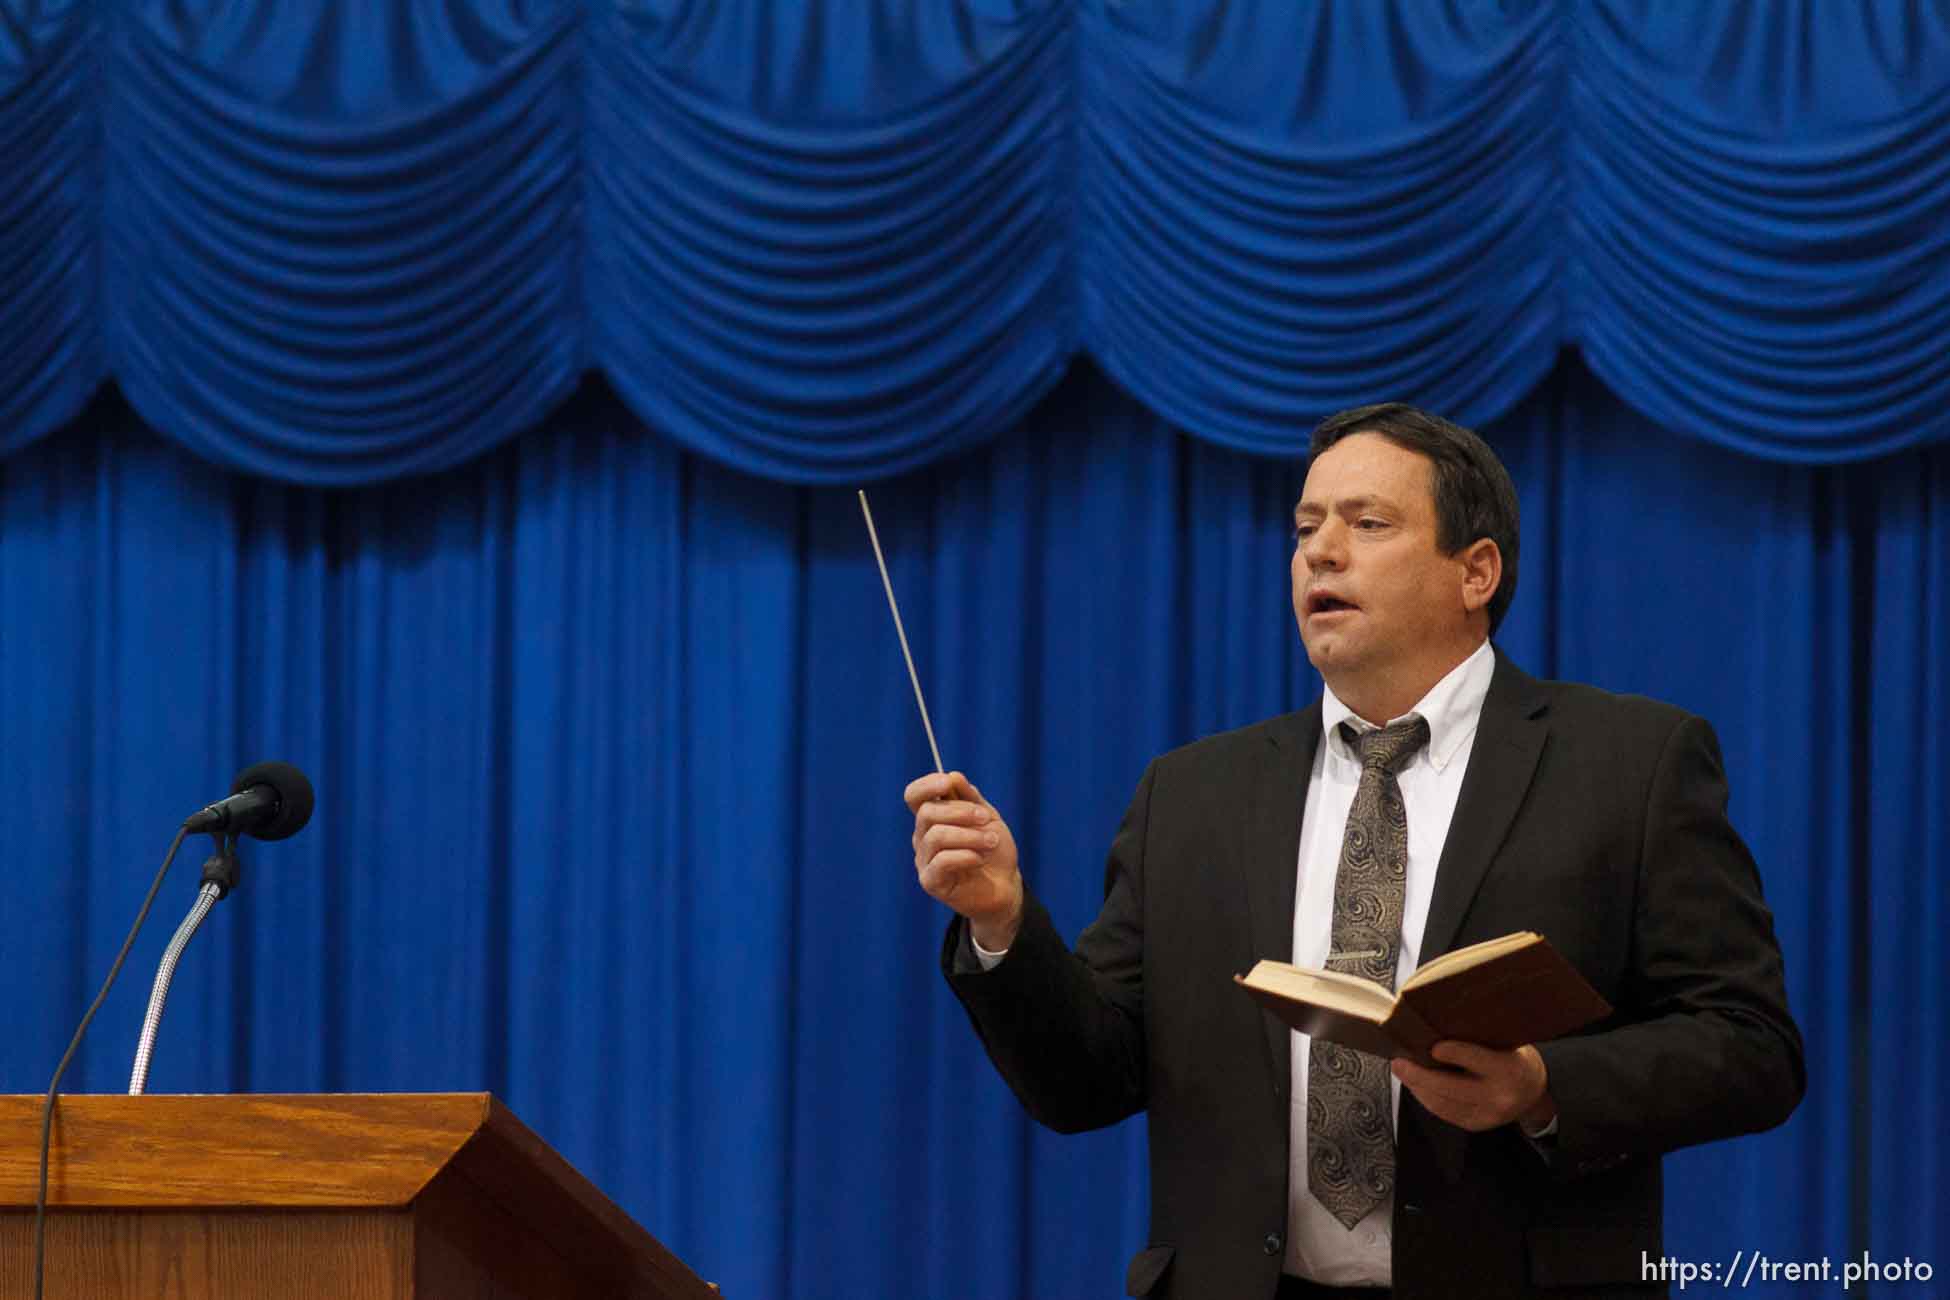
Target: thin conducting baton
<point x="900" y="631"/>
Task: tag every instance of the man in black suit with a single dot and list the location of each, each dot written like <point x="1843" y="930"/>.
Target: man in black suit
<point x="1594" y="818"/>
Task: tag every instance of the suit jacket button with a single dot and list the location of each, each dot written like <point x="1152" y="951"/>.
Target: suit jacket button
<point x="1272" y="1243"/>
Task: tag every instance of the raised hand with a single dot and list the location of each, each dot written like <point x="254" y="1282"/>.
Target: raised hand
<point x="965" y="856"/>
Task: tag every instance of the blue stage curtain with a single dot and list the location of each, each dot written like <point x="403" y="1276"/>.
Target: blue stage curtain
<point x="343" y="241"/>
<point x="50" y="198"/>
<point x="1289" y="208"/>
<point x="607" y="725"/>
<point x="834" y="240"/>
<point x="1761" y="203"/>
<point x="609" y="743"/>
<point x="830" y="242"/>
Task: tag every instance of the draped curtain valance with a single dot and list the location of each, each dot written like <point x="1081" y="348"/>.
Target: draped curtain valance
<point x="839" y="238"/>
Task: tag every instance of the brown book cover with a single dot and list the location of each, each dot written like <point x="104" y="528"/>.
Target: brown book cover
<point x="1500" y="993"/>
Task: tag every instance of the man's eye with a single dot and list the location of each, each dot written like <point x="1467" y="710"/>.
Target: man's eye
<point x="1370" y="523"/>
<point x="1301" y="532"/>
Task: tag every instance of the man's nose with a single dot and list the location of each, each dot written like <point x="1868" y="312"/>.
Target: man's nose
<point x="1323" y="548"/>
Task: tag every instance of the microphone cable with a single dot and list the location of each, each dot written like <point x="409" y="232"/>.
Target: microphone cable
<point x="47" y="1107"/>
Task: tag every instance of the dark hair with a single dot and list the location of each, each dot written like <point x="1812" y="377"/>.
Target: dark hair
<point x="1474" y="496"/>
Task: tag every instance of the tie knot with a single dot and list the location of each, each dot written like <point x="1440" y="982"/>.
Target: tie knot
<point x="1390" y="747"/>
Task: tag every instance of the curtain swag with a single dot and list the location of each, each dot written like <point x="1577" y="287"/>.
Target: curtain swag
<point x="838" y="239"/>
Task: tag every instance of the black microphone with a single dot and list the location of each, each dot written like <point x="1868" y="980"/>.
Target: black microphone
<point x="267" y="800"/>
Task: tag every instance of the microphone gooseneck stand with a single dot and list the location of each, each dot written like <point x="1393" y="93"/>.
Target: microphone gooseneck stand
<point x="219" y="878"/>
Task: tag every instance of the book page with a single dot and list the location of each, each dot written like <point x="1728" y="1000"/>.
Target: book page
<point x="1465" y="958"/>
<point x="1323" y="988"/>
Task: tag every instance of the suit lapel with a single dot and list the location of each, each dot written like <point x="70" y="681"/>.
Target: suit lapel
<point x="1509" y="739"/>
<point x="1271" y="851"/>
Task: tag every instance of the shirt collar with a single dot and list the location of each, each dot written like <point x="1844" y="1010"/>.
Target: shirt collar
<point x="1452" y="708"/>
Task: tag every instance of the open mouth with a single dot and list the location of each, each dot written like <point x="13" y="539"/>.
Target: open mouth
<point x="1325" y="602"/>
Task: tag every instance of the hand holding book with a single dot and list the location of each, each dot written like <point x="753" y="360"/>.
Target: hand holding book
<point x="1502" y="993"/>
<point x="1481" y="1088"/>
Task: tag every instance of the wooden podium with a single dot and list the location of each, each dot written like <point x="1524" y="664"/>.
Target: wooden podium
<point x="309" y="1197"/>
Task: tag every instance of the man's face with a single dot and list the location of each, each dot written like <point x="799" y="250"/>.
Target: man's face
<point x="1375" y="597"/>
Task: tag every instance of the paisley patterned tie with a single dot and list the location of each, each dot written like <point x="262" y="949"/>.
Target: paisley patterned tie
<point x="1350" y="1129"/>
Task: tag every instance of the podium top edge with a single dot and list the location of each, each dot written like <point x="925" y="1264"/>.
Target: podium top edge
<point x="239" y="1149"/>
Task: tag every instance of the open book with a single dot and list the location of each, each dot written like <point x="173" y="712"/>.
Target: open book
<point x="1499" y="993"/>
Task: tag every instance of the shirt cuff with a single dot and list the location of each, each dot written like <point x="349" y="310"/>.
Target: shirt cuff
<point x="990" y="960"/>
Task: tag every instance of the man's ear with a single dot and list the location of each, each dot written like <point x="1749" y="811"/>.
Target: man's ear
<point x="1482" y="565"/>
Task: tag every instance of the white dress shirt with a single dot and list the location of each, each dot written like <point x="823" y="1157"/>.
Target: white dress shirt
<point x="1317" y="1246"/>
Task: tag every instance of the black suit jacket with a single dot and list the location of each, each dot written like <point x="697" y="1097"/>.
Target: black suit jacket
<point x="1597" y="819"/>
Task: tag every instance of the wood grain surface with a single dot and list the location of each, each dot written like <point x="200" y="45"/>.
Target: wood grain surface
<point x="268" y="1151"/>
<point x="380" y="1196"/>
<point x="222" y="1255"/>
